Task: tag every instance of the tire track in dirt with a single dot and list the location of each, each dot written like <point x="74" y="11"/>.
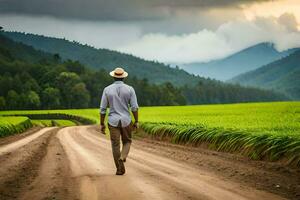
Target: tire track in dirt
<point x="38" y="169"/>
<point x="15" y="137"/>
<point x="149" y="176"/>
<point x="22" y="142"/>
<point x="21" y="161"/>
<point x="54" y="179"/>
<point x="76" y="163"/>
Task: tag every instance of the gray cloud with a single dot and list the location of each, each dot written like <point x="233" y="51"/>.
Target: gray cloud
<point x="112" y="9"/>
<point x="206" y="45"/>
<point x="200" y="45"/>
<point x="197" y="30"/>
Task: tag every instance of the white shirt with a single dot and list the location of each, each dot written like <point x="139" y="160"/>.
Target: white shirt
<point x="118" y="97"/>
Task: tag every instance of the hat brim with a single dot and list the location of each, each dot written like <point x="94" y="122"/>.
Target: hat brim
<point x="112" y="74"/>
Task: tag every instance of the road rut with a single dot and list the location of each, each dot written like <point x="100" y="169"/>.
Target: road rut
<point x="148" y="176"/>
<point x="75" y="163"/>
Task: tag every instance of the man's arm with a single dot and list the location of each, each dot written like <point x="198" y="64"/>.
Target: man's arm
<point x="134" y="108"/>
<point x="102" y="119"/>
<point x="103" y="107"/>
<point x="136" y="119"/>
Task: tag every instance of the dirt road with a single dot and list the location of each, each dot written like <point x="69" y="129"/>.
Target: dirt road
<point x="76" y="163"/>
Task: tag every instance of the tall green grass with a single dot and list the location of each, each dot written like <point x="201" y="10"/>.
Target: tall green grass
<point x="252" y="144"/>
<point x="12" y="125"/>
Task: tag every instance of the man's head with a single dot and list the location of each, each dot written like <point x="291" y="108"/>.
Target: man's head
<point x="118" y="74"/>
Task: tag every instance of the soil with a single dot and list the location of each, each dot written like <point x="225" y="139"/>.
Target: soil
<point x="274" y="177"/>
<point x="76" y="163"/>
<point x="35" y="170"/>
<point x="18" y="136"/>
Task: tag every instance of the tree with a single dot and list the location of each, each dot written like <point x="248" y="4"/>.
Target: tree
<point x="56" y="58"/>
<point x="76" y="67"/>
<point x="12" y="100"/>
<point x="65" y="82"/>
<point x="51" y="98"/>
<point x="2" y="103"/>
<point x="80" y="96"/>
<point x="32" y="100"/>
<point x="30" y="85"/>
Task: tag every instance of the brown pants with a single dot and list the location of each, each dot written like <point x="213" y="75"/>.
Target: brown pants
<point x="115" y="134"/>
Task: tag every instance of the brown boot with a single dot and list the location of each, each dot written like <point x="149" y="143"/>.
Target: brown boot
<point x="121" y="168"/>
<point x="119" y="173"/>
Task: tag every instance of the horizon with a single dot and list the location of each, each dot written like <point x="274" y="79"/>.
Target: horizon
<point x="198" y="31"/>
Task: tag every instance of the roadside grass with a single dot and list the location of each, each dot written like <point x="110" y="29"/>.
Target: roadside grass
<point x="12" y="125"/>
<point x="41" y="122"/>
<point x="62" y="122"/>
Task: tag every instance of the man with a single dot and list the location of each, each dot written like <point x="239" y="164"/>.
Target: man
<point x="118" y="97"/>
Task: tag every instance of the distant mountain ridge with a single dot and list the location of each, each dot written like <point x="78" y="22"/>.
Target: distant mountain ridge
<point x="282" y="75"/>
<point x="17" y="50"/>
<point x="246" y="60"/>
<point x="106" y="59"/>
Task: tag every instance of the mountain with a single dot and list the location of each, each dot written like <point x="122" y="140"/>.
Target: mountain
<point x="241" y="62"/>
<point x="282" y="75"/>
<point x="106" y="59"/>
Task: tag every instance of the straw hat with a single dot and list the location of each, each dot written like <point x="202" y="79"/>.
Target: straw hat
<point x="118" y="73"/>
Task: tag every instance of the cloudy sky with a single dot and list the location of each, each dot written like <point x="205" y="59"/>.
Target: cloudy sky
<point x="172" y="31"/>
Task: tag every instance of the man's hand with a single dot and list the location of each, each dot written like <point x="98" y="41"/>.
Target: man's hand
<point x="102" y="128"/>
<point x="136" y="125"/>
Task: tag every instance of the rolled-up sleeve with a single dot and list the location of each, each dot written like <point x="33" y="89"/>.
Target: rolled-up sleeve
<point x="103" y="103"/>
<point x="133" y="101"/>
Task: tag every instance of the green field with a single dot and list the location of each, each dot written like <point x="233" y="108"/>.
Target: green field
<point x="258" y="130"/>
<point x="273" y="118"/>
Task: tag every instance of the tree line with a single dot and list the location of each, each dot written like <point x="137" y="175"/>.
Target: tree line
<point x="69" y="84"/>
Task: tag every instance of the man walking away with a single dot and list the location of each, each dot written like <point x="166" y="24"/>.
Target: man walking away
<point x="119" y="97"/>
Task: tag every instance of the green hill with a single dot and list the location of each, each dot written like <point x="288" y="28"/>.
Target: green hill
<point x="17" y="50"/>
<point x="106" y="59"/>
<point x="246" y="60"/>
<point x="282" y="75"/>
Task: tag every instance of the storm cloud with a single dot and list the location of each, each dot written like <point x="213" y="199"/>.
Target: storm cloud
<point x="171" y="31"/>
<point x="113" y="9"/>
